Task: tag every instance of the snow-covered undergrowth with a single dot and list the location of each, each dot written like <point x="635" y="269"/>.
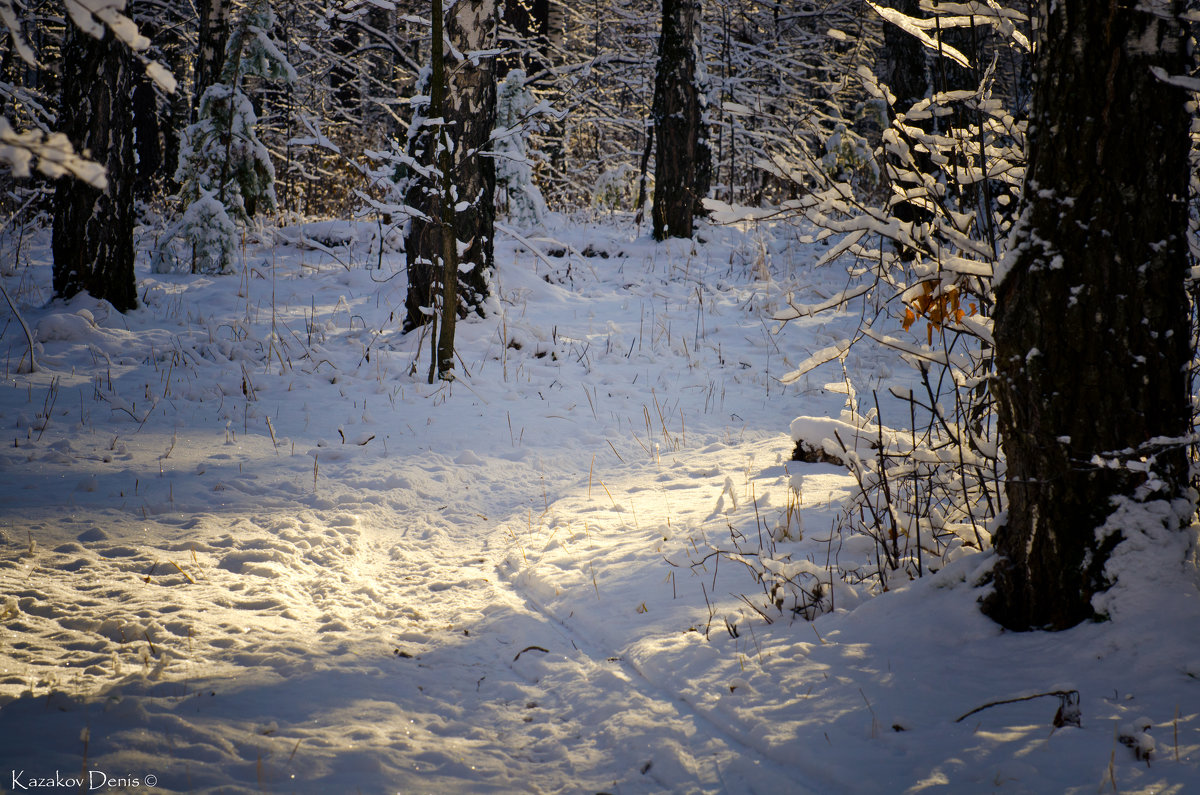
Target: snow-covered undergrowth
<point x="244" y="547"/>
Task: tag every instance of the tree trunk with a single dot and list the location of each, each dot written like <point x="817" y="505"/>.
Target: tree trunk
<point x="683" y="166"/>
<point x="148" y="120"/>
<point x="901" y="65"/>
<point x="530" y="21"/>
<point x="148" y="140"/>
<point x="1091" y="328"/>
<point x="470" y="115"/>
<point x="214" y="37"/>
<point x="92" y="240"/>
<point x="902" y="68"/>
<point x="442" y="362"/>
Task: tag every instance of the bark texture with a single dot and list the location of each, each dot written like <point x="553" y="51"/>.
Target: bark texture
<point x="214" y="37"/>
<point x="1092" y="332"/>
<point x="92" y="239"/>
<point x="470" y="114"/>
<point x="683" y="166"/>
<point x="901" y="64"/>
<point x="148" y="140"/>
<point x="902" y="68"/>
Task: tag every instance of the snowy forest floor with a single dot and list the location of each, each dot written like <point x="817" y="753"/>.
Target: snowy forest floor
<point x="244" y="547"/>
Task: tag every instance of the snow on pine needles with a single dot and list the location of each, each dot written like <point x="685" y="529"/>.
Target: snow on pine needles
<point x="244" y="546"/>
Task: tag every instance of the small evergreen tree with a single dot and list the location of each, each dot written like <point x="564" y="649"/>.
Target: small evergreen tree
<point x="222" y="154"/>
<point x="514" y="172"/>
<point x="225" y="172"/>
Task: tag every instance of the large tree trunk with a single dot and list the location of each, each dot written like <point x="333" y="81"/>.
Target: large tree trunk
<point x="683" y="167"/>
<point x="1091" y="328"/>
<point x="470" y="114"/>
<point x="93" y="229"/>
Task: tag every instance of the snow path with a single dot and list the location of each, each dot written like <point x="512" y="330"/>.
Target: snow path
<point x="388" y="606"/>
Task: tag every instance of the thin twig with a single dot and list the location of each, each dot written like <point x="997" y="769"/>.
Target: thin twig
<point x="1059" y="693"/>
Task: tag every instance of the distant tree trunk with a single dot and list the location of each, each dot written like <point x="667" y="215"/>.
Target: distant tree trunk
<point x="1091" y="328"/>
<point x="530" y="21"/>
<point x="901" y="63"/>
<point x="148" y="121"/>
<point x="175" y="110"/>
<point x="148" y="140"/>
<point x="683" y="167"/>
<point x="92" y="241"/>
<point x="470" y="115"/>
<point x="214" y="37"/>
<point x="902" y="68"/>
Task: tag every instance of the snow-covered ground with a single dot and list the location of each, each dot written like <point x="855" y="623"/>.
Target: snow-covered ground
<point x="244" y="547"/>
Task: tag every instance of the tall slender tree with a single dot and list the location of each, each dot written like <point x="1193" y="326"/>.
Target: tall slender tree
<point x="442" y="362"/>
<point x="1092" y="321"/>
<point x="214" y="38"/>
<point x="683" y="166"/>
<point x="467" y="119"/>
<point x="92" y="240"/>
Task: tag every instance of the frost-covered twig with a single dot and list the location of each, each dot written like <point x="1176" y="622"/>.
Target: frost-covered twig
<point x="33" y="366"/>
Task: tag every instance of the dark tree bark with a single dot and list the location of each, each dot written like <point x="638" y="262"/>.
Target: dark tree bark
<point x="441" y="363"/>
<point x="158" y="116"/>
<point x="683" y="167"/>
<point x="529" y="18"/>
<point x="902" y="68"/>
<point x="470" y="115"/>
<point x="92" y="240"/>
<point x="530" y="21"/>
<point x="345" y="42"/>
<point x="1091" y="328"/>
<point x="148" y="139"/>
<point x="901" y="64"/>
<point x="214" y="37"/>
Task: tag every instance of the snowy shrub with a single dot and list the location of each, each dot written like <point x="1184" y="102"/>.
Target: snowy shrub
<point x="615" y="188"/>
<point x="921" y="263"/>
<point x="211" y="233"/>
<point x="515" y="189"/>
<point x="221" y="162"/>
<point x="848" y="157"/>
